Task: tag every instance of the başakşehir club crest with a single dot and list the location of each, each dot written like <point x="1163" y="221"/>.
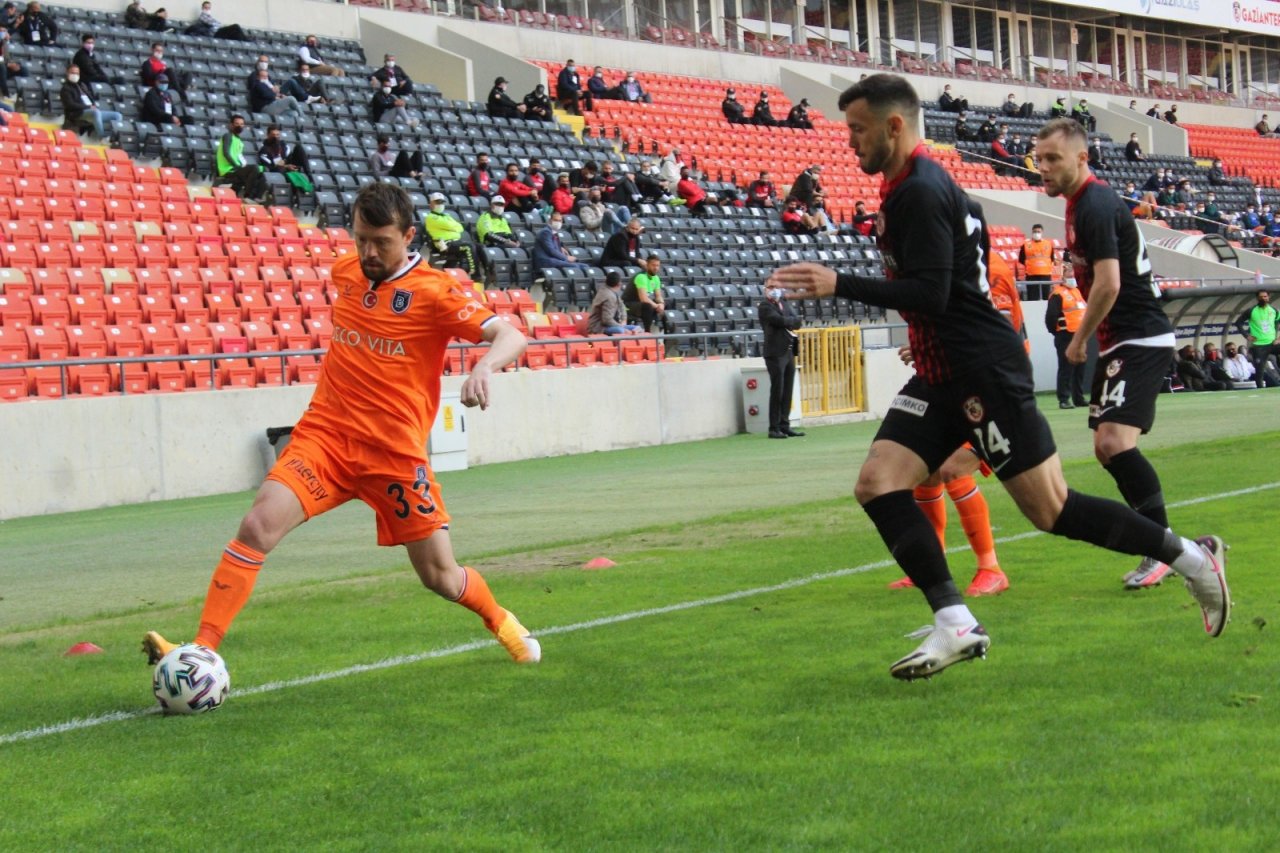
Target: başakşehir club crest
<point x="1113" y="367"/>
<point x="973" y="410"/>
<point x="400" y="301"/>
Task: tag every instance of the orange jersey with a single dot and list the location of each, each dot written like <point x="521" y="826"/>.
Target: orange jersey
<point x="380" y="380"/>
<point x="1004" y="294"/>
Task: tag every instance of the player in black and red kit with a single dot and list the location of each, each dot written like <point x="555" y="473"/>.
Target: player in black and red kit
<point x="972" y="383"/>
<point x="1135" y="338"/>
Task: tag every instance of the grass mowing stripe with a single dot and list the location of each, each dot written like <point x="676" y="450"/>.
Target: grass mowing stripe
<point x="604" y="621"/>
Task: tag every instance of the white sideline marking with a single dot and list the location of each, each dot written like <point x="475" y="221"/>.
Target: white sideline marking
<point x="604" y="621"/>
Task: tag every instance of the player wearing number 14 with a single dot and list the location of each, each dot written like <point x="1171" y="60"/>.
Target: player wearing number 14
<point x="364" y="435"/>
<point x="972" y="383"/>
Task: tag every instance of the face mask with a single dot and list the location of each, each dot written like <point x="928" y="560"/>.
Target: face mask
<point x="391" y="63"/>
<point x="1036" y="235"/>
<point x="73" y="78"/>
<point x="158" y="55"/>
<point x="262" y="66"/>
<point x="438" y="207"/>
<point x="237" y="130"/>
<point x="631" y="79"/>
<point x="88" y="48"/>
<point x="163" y="87"/>
<point x="386" y="90"/>
<point x="497" y="209"/>
<point x="776" y="294"/>
<point x="555" y="226"/>
<point x="305" y="75"/>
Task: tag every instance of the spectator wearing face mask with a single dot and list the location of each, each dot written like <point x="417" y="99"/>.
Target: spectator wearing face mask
<point x="384" y="106"/>
<point x="733" y="111"/>
<point x="78" y="105"/>
<point x="493" y="229"/>
<point x="519" y="196"/>
<point x="385" y="162"/>
<point x="91" y="70"/>
<point x="306" y="87"/>
<point x="391" y="74"/>
<point x="625" y="248"/>
<point x="537" y="105"/>
<point x="9" y="67"/>
<point x="631" y="91"/>
<point x="265" y="97"/>
<point x="232" y="169"/>
<point x="207" y="25"/>
<point x="154" y="65"/>
<point x="549" y="252"/>
<point x="608" y="313"/>
<point x="761" y="114"/>
<point x="650" y="185"/>
<point x="448" y="237"/>
<point x="35" y="28"/>
<point x="569" y="92"/>
<point x="158" y="107"/>
<point x="562" y="197"/>
<point x="597" y="217"/>
<point x="500" y="104"/>
<point x="599" y="88"/>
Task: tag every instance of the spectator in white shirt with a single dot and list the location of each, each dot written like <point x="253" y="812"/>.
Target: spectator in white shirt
<point x="310" y="54"/>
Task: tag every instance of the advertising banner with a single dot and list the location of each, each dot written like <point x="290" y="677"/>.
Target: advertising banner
<point x="1251" y="16"/>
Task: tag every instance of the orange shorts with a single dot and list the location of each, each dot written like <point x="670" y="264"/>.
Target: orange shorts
<point x="325" y="470"/>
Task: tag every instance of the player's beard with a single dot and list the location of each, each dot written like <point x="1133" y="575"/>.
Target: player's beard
<point x="872" y="160"/>
<point x="373" y="270"/>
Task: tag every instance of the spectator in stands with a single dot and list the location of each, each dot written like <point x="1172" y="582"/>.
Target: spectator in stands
<point x="1154" y="112"/>
<point x="537" y="105"/>
<point x="618" y="190"/>
<point x="1184" y="196"/>
<point x="1192" y="372"/>
<point x="386" y="106"/>
<point x="310" y="54"/>
<point x="1133" y="150"/>
<point x="158" y="108"/>
<point x="1080" y="112"/>
<point x="863" y="223"/>
<point x="243" y="177"/>
<point x="962" y="131"/>
<point x="1259" y="326"/>
<point x="695" y="197"/>
<point x="631" y="91"/>
<point x="139" y="18"/>
<point x="391" y="74"/>
<point x="1237" y="364"/>
<point x="797" y="220"/>
<point x="1263" y="127"/>
<point x="1171" y="114"/>
<point x="807" y="185"/>
<point x="779" y="320"/>
<point x="9" y="67"/>
<point x="624" y="248"/>
<point x="1215" y="366"/>
<point x="1271" y="233"/>
<point x="36" y="28"/>
<point x="1167" y="198"/>
<point x="1017" y="147"/>
<point x="569" y="91"/>
<point x="265" y="97"/>
<point x="1133" y="105"/>
<point x="1059" y="108"/>
<point x="537" y="179"/>
<point x="447" y="236"/>
<point x="761" y="114"/>
<point x="263" y="64"/>
<point x="599" y="88"/>
<point x="1213" y="217"/>
<point x="644" y="297"/>
<point x="1097" y="159"/>
<point x="292" y="161"/>
<point x="549" y="252"/>
<point x="482" y="181"/>
<point x="761" y="192"/>
<point x="1012" y="108"/>
<point x="948" y="103"/>
<point x="499" y="103"/>
<point x="733" y="111"/>
<point x="1006" y="162"/>
<point x="208" y="25"/>
<point x="493" y="229"/>
<point x="9" y="15"/>
<point x="79" y="107"/>
<point x="1248" y="220"/>
<point x="91" y="71"/>
<point x="987" y="131"/>
<point x="1141" y="204"/>
<point x="154" y="65"/>
<point x="1218" y="174"/>
<point x="652" y="188"/>
<point x="519" y="196"/>
<point x="384" y="162"/>
<point x="306" y="87"/>
<point x="562" y="197"/>
<point x="669" y="168"/>
<point x="1156" y="181"/>
<point x="582" y="179"/>
<point x="608" y="314"/>
<point x="798" y="117"/>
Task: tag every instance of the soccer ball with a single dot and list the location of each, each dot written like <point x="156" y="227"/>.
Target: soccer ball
<point x="191" y="679"/>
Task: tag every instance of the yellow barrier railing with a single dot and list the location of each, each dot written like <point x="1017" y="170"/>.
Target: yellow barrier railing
<point x="830" y="371"/>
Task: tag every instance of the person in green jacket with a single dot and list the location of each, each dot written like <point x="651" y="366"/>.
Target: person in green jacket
<point x="1258" y="324"/>
<point x="243" y="177"/>
<point x="448" y="237"/>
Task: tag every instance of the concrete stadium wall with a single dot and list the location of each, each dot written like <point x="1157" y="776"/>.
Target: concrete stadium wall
<point x="406" y="37"/>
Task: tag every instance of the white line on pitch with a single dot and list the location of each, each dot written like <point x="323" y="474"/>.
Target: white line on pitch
<point x="604" y="621"/>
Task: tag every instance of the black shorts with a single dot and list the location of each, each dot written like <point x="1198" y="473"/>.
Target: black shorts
<point x="994" y="410"/>
<point x="1126" y="383"/>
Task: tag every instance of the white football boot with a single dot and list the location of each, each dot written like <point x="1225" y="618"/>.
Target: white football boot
<point x="1209" y="588"/>
<point x="941" y="648"/>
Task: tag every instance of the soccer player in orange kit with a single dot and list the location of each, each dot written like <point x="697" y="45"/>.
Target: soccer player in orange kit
<point x="364" y="434"/>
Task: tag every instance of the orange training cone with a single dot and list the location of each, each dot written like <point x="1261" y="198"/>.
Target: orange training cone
<point x="82" y="649"/>
<point x="599" y="563"/>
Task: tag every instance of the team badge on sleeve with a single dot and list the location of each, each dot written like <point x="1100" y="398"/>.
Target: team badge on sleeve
<point x="400" y="300"/>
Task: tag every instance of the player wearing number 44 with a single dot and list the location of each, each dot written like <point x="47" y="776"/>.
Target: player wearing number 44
<point x="364" y="434"/>
<point x="972" y="383"/>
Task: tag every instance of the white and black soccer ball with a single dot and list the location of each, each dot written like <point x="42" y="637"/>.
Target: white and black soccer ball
<point x="191" y="679"/>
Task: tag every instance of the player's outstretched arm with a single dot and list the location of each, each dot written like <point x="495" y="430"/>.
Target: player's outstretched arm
<point x="926" y="291"/>
<point x="506" y="344"/>
<point x="804" y="281"/>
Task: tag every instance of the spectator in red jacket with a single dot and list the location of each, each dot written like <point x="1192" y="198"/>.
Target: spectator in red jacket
<point x="762" y="192"/>
<point x="695" y="197"/>
<point x="482" y="181"/>
<point x="519" y="196"/>
<point x="562" y="196"/>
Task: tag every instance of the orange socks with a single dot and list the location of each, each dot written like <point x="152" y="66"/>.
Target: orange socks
<point x="476" y="597"/>
<point x="230" y="588"/>
<point x="976" y="520"/>
<point x="929" y="499"/>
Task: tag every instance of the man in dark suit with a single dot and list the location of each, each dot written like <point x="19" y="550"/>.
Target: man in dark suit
<point x="779" y="321"/>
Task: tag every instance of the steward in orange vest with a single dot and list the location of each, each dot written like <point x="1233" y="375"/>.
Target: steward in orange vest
<point x="1036" y="256"/>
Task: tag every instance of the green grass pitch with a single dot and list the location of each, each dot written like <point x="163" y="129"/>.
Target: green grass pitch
<point x="725" y="686"/>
